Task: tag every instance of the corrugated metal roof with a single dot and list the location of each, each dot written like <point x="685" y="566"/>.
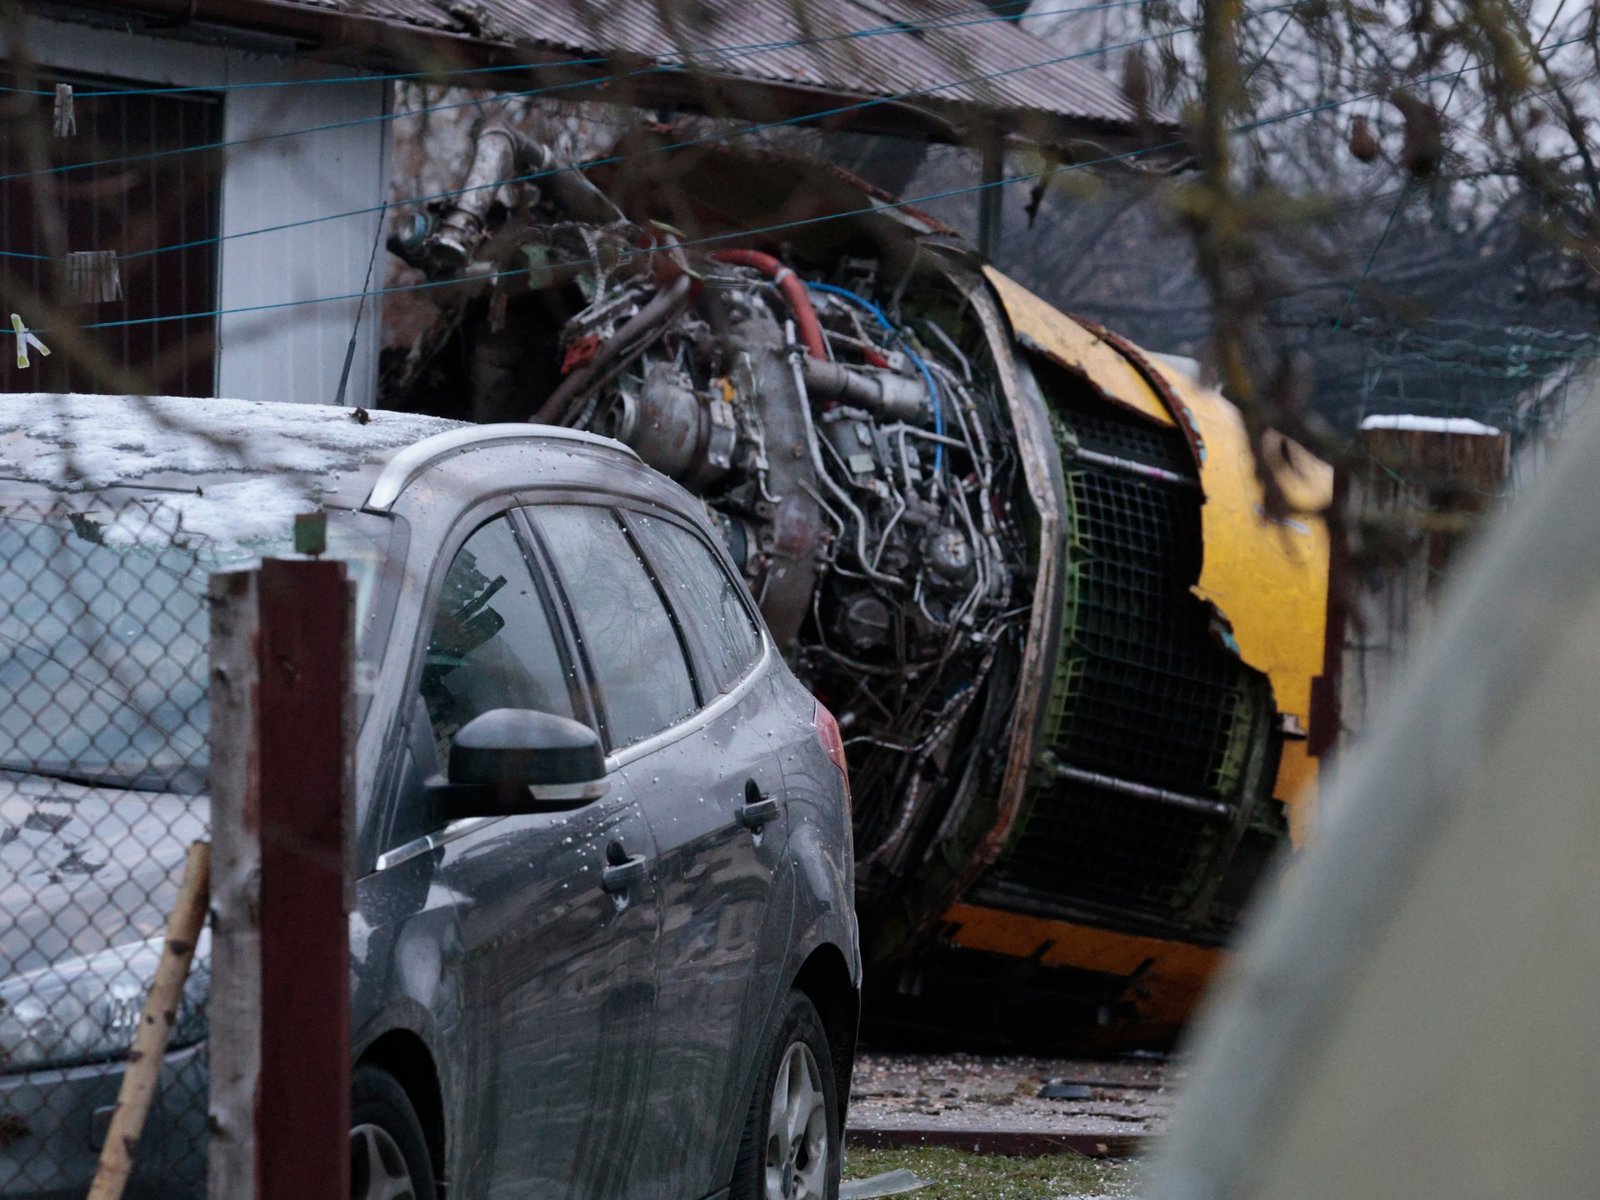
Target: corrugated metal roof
<point x="934" y="54"/>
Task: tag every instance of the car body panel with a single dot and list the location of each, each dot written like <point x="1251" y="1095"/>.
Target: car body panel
<point x="721" y="913"/>
<point x="63" y="1114"/>
<point x="489" y="942"/>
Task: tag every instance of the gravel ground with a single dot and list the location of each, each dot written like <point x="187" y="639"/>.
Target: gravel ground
<point x="976" y="1092"/>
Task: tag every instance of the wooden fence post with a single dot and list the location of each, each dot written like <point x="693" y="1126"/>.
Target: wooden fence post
<point x="1424" y="485"/>
<point x="282" y="737"/>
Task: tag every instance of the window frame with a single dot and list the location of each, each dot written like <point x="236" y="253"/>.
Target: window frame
<point x="611" y="506"/>
<point x="700" y="669"/>
<point x="544" y="588"/>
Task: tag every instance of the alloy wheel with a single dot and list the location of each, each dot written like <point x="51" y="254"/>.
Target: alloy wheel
<point x="378" y="1170"/>
<point x="797" y="1130"/>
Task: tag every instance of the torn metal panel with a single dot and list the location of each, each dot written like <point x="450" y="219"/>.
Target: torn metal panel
<point x="1046" y="330"/>
<point x="1269" y="575"/>
<point x="1174" y="973"/>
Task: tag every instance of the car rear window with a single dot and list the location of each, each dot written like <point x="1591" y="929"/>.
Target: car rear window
<point x="104" y="625"/>
<point x="707" y="600"/>
<point x="640" y="673"/>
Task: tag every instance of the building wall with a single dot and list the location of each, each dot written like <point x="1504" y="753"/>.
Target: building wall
<point x="276" y="353"/>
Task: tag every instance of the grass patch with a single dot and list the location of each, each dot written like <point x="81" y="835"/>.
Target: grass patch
<point x="957" y="1175"/>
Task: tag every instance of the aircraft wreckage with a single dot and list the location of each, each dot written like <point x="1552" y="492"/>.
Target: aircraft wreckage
<point x="1027" y="565"/>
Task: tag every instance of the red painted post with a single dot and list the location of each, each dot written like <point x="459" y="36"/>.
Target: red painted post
<point x="282" y="736"/>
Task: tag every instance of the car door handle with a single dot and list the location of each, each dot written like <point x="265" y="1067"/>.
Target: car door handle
<point x="620" y="876"/>
<point x="758" y="810"/>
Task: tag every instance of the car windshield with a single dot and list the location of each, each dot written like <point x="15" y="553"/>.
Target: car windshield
<point x="103" y="634"/>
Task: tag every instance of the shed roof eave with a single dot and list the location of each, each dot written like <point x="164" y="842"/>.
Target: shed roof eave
<point x="386" y="44"/>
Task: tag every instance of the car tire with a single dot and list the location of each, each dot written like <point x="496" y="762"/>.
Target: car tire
<point x="389" y="1157"/>
<point x="793" y="1145"/>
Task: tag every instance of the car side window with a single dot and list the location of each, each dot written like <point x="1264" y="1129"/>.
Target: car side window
<point x="706" y="599"/>
<point x="492" y="644"/>
<point x="640" y="675"/>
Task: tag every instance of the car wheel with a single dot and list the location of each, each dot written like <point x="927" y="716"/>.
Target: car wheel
<point x="389" y="1157"/>
<point x="792" y="1141"/>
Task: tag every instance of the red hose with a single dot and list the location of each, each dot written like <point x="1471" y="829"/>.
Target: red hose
<point x="794" y="291"/>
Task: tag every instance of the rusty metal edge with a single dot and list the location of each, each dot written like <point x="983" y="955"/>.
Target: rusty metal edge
<point x="1176" y="408"/>
<point x="1011" y="1143"/>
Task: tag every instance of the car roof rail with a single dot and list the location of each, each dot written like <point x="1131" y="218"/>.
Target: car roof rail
<point x="404" y="467"/>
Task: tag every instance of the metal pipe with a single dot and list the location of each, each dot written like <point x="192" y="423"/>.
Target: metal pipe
<point x="944" y="725"/>
<point x="794" y="291"/>
<point x="1112" y="462"/>
<point x="839" y="493"/>
<point x="883" y="538"/>
<point x="882" y="393"/>
<point x="495" y="156"/>
<point x="945" y="339"/>
<point x="902" y="429"/>
<point x="653" y="317"/>
<point x="1216" y="810"/>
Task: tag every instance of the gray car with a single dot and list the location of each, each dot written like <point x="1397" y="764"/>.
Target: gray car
<point x="643" y="986"/>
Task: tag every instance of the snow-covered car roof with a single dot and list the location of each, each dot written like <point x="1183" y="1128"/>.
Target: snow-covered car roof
<point x="76" y="442"/>
<point x="235" y="471"/>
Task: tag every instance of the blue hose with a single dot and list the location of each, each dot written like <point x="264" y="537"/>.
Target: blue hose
<point x="858" y="301"/>
<point x="916" y="361"/>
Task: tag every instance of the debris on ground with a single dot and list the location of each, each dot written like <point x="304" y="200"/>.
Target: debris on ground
<point x="890" y="1183"/>
<point x="961" y="1093"/>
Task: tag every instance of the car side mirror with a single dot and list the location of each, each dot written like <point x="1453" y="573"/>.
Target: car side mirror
<point x="516" y="760"/>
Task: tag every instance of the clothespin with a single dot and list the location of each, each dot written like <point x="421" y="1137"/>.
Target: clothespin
<point x="24" y="340"/>
<point x="66" y="120"/>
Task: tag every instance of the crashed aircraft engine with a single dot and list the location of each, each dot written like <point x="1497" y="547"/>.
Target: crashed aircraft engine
<point x="1026" y="565"/>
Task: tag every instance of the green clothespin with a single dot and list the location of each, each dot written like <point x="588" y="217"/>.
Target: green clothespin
<point x="24" y="340"/>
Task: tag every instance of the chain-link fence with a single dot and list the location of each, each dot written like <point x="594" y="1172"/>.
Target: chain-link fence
<point x="103" y="759"/>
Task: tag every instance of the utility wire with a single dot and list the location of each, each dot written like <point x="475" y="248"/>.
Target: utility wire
<point x="781" y="227"/>
<point x="721" y="136"/>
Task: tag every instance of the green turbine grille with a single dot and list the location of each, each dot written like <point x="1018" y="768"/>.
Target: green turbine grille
<point x="1107" y="849"/>
<point x="1144" y="690"/>
<point x="1148" y="693"/>
<point x="1123" y="435"/>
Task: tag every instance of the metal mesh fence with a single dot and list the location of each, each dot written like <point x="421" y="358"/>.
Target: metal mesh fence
<point x="103" y="678"/>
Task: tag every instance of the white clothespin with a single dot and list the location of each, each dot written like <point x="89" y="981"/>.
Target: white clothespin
<point x="24" y="340"/>
<point x="66" y="120"/>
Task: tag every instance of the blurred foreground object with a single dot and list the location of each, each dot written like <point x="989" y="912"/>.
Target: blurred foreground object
<point x="1413" y="1016"/>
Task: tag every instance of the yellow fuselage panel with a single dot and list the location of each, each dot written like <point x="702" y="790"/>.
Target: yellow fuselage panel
<point x="1047" y="330"/>
<point x="1267" y="575"/>
<point x="1173" y="973"/>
